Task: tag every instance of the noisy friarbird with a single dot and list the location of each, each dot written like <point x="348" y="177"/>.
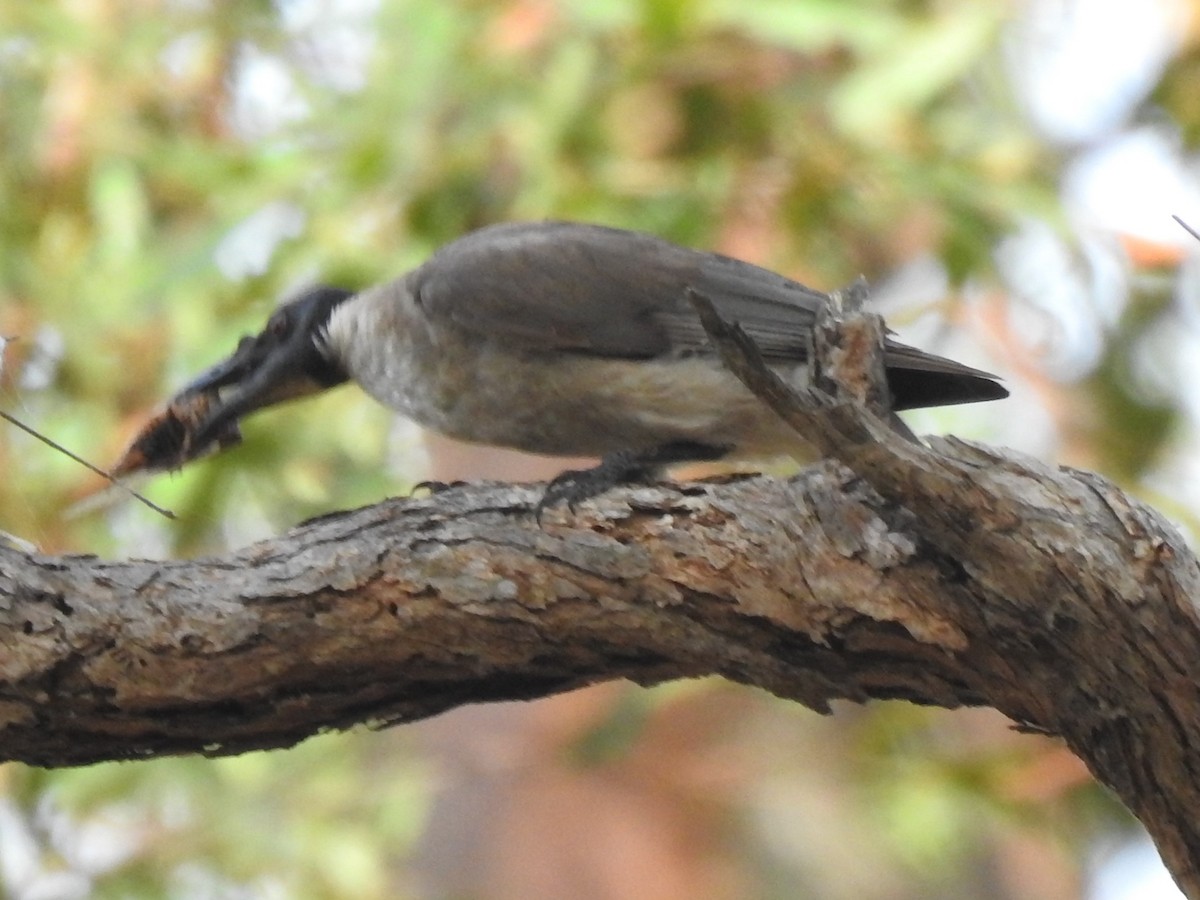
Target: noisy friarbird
<point x="550" y="337"/>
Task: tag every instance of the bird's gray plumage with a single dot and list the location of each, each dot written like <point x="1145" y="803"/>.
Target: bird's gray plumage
<point x="590" y="289"/>
<point x="567" y="339"/>
<point x="566" y="286"/>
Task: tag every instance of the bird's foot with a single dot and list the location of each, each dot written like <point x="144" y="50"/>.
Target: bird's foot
<point x="623" y="467"/>
<point x="576" y="485"/>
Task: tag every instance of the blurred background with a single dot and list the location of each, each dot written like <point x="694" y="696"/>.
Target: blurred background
<point x="1003" y="173"/>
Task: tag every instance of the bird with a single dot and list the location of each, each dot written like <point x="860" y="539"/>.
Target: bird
<point x="557" y="338"/>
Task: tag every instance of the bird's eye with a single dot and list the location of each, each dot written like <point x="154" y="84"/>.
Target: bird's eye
<point x="278" y="326"/>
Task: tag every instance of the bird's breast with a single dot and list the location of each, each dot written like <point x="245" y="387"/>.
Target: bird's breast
<point x="479" y="389"/>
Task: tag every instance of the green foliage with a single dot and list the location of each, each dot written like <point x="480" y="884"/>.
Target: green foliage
<point x="323" y="821"/>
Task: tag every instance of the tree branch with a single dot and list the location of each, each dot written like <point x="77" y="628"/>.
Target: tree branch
<point x="950" y="574"/>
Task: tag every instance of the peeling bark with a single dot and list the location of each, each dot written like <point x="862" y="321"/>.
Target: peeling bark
<point x="946" y="574"/>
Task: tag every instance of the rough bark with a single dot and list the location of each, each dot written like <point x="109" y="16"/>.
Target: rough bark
<point x="945" y="574"/>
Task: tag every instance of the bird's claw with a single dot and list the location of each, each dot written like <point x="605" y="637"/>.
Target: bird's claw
<point x="577" y="485"/>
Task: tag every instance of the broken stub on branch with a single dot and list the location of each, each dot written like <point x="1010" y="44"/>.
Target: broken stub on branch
<point x="846" y="399"/>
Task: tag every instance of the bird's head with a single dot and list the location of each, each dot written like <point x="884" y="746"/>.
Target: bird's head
<point x="286" y="360"/>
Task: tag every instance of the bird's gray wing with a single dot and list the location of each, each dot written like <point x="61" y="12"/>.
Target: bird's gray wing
<point x="590" y="289"/>
<point x="579" y="288"/>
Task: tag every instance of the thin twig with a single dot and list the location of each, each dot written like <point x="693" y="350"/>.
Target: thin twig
<point x="1188" y="228"/>
<point x="83" y="462"/>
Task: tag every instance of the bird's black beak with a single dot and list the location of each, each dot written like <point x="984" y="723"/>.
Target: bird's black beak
<point x="260" y="373"/>
<point x="286" y="360"/>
